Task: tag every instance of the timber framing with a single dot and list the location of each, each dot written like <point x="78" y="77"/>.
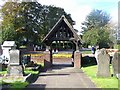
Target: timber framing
<point x="62" y="31"/>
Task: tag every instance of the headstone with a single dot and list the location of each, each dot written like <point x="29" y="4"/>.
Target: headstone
<point x="0" y="50"/>
<point x="6" y="47"/>
<point x="14" y="67"/>
<point x="14" y="57"/>
<point x="115" y="65"/>
<point x="103" y="61"/>
<point x="15" y="70"/>
<point x="0" y="66"/>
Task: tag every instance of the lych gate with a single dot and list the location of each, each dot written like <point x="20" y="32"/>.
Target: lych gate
<point x="62" y="32"/>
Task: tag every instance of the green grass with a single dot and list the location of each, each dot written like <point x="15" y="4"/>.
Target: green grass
<point x="86" y="52"/>
<point x="111" y="82"/>
<point x="3" y="72"/>
<point x="117" y="46"/>
<point x="18" y="85"/>
<point x="28" y="71"/>
<point x="41" y="64"/>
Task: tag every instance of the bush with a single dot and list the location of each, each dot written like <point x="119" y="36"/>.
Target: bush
<point x="117" y="46"/>
<point x="86" y="61"/>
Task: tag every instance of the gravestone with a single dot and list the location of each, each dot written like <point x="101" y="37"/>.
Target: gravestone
<point x="14" y="57"/>
<point x="103" y="61"/>
<point x="14" y="67"/>
<point x="0" y="50"/>
<point x="6" y="47"/>
<point x="115" y="65"/>
<point x="0" y="64"/>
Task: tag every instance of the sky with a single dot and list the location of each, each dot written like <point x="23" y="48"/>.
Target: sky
<point x="79" y="9"/>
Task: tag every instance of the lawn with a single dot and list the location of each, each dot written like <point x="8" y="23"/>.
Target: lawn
<point x="86" y="52"/>
<point x="111" y="82"/>
<point x="18" y="84"/>
<point x="28" y="71"/>
<point x="117" y="46"/>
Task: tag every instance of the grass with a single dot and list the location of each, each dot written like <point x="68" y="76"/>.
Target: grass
<point x="86" y="52"/>
<point x="41" y="64"/>
<point x="28" y="71"/>
<point x="117" y="46"/>
<point x="15" y="85"/>
<point x="18" y="85"/>
<point x="3" y="72"/>
<point x="111" y="82"/>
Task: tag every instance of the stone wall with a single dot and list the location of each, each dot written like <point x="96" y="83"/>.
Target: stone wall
<point x="37" y="59"/>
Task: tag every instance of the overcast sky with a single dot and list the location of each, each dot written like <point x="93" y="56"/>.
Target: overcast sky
<point x="79" y="9"/>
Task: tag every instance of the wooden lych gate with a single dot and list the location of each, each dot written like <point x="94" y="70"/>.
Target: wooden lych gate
<point x="62" y="31"/>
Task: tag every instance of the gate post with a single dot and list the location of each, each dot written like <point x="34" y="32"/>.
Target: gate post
<point x="47" y="60"/>
<point x="77" y="59"/>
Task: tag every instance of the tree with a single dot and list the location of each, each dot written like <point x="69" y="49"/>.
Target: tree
<point x="50" y="15"/>
<point x="96" y="29"/>
<point x="31" y="20"/>
<point x="97" y="37"/>
<point x="96" y="19"/>
<point x="9" y="33"/>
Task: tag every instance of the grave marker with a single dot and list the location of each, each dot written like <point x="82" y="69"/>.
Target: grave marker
<point x="14" y="67"/>
<point x="103" y="60"/>
<point x="6" y="47"/>
<point x="115" y="65"/>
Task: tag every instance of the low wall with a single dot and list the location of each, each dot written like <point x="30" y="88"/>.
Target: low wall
<point x="38" y="59"/>
<point x="112" y="51"/>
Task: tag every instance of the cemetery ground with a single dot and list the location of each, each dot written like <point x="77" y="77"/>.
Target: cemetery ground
<point x="19" y="84"/>
<point x="111" y="82"/>
<point x="88" y="69"/>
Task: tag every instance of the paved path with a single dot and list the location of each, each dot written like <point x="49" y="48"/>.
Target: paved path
<point x="62" y="77"/>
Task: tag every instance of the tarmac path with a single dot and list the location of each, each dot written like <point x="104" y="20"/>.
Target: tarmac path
<point x="62" y="76"/>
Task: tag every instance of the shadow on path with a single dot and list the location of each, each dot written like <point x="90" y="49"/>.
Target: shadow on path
<point x="62" y="77"/>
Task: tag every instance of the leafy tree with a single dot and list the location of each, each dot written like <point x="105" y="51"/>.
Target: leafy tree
<point x="96" y="19"/>
<point x="9" y="33"/>
<point x="97" y="37"/>
<point x="50" y="15"/>
<point x="31" y="20"/>
<point x="96" y="29"/>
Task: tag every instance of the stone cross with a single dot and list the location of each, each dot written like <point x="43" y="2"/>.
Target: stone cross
<point x="115" y="65"/>
<point x="103" y="61"/>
